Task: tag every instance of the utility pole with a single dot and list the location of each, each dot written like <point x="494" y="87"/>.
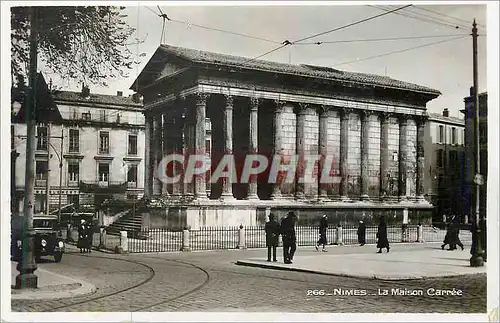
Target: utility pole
<point x="477" y="257"/>
<point x="60" y="173"/>
<point x="27" y="265"/>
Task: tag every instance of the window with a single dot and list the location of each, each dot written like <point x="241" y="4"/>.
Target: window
<point x="41" y="136"/>
<point x="453" y="136"/>
<point x="132" y="144"/>
<point x="132" y="176"/>
<point x="453" y="158"/>
<point x="207" y="147"/>
<point x="74" y="140"/>
<point x="103" y="172"/>
<point x="86" y="116"/>
<point x="441" y="134"/>
<point x="74" y="199"/>
<point x="104" y="142"/>
<point x="102" y="116"/>
<point x="440" y="158"/>
<point x="40" y="203"/>
<point x="41" y="168"/>
<point x="73" y="172"/>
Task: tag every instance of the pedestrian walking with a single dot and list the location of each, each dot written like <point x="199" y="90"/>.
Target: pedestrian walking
<point x="454" y="236"/>
<point x="82" y="236"/>
<point x="90" y="236"/>
<point x="382" y="241"/>
<point x="447" y="236"/>
<point x="272" y="229"/>
<point x="289" y="237"/>
<point x="361" y="233"/>
<point x="323" y="226"/>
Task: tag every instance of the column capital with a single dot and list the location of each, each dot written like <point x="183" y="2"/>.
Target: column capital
<point x="229" y="101"/>
<point x="403" y="118"/>
<point x="421" y="120"/>
<point x="279" y="106"/>
<point x="201" y="98"/>
<point x="301" y="108"/>
<point x="254" y="103"/>
<point x="323" y="110"/>
<point x="386" y="116"/>
<point x="365" y="114"/>
<point x="345" y="112"/>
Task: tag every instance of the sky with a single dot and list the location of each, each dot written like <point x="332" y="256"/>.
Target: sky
<point x="446" y="66"/>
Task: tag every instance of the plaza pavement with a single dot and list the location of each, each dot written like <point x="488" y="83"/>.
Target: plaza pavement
<point x="398" y="264"/>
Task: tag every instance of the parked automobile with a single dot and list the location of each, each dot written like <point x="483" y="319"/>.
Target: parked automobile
<point x="47" y="240"/>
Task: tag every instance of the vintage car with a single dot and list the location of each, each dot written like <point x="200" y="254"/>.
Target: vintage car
<point x="47" y="242"/>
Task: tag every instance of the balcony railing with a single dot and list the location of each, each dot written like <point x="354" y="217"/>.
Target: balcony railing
<point x="102" y="186"/>
<point x="40" y="182"/>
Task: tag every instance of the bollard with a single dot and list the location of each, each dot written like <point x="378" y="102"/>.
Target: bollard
<point x="338" y="238"/>
<point x="420" y="233"/>
<point x="123" y="247"/>
<point x="241" y="238"/>
<point x="185" y="240"/>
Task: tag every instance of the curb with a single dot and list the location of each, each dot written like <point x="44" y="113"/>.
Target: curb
<point x="372" y="277"/>
<point x="77" y="287"/>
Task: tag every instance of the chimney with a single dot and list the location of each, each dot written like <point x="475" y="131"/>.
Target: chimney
<point x="119" y="93"/>
<point x="446" y="112"/>
<point x="85" y="90"/>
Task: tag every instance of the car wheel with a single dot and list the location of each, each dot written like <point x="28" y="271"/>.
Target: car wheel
<point x="58" y="256"/>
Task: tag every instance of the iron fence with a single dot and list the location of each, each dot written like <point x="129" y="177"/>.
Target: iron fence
<point x="222" y="238"/>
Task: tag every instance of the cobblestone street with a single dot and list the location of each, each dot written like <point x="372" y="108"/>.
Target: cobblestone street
<point x="210" y="281"/>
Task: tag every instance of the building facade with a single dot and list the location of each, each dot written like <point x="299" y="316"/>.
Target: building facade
<point x="445" y="163"/>
<point x="94" y="151"/>
<point x="370" y="127"/>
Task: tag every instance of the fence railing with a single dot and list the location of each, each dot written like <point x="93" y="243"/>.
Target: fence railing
<point x="222" y="238"/>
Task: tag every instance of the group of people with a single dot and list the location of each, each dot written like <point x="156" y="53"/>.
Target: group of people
<point x="287" y="230"/>
<point x="85" y="235"/>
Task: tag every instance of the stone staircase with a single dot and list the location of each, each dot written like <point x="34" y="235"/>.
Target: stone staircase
<point x="128" y="222"/>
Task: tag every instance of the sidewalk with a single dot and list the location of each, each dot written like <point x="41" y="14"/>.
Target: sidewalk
<point x="50" y="286"/>
<point x="398" y="264"/>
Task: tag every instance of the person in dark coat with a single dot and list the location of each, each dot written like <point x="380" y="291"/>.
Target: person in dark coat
<point x="272" y="229"/>
<point x="362" y="233"/>
<point x="382" y="241"/>
<point x="323" y="225"/>
<point x="453" y="233"/>
<point x="82" y="236"/>
<point x="289" y="237"/>
<point x="90" y="236"/>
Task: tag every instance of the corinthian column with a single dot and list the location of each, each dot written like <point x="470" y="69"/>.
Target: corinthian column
<point x="227" y="184"/>
<point x="344" y="148"/>
<point x="148" y="169"/>
<point x="166" y="143"/>
<point x="253" y="144"/>
<point x="323" y="149"/>
<point x="299" y="144"/>
<point x="403" y="157"/>
<point x="158" y="151"/>
<point x="420" y="157"/>
<point x="200" y="190"/>
<point x="365" y="135"/>
<point x="384" y="155"/>
<point x="278" y="146"/>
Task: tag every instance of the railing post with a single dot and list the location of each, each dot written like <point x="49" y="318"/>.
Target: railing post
<point x="241" y="238"/>
<point x="185" y="240"/>
<point x="404" y="227"/>
<point x="338" y="240"/>
<point x="420" y="233"/>
<point x="123" y="247"/>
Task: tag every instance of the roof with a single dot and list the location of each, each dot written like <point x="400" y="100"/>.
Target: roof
<point x="212" y="58"/>
<point x="71" y="96"/>
<point x="440" y="118"/>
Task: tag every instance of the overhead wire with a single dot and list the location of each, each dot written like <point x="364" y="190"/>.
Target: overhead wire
<point x="447" y="16"/>
<point x="287" y="42"/>
<point x="378" y="39"/>
<point x="399" y="51"/>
